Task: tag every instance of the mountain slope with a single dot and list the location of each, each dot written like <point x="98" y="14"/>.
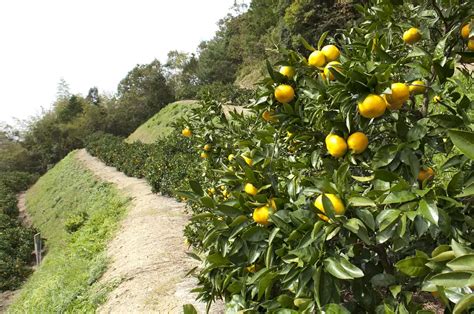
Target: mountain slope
<point x="77" y="215"/>
<point x="160" y="124"/>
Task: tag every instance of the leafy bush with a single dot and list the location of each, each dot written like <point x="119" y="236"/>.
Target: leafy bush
<point x="12" y="183"/>
<point x="287" y="222"/>
<point x="16" y="246"/>
<point x="76" y="221"/>
<point x="16" y="241"/>
<point x="166" y="165"/>
<point x="225" y="93"/>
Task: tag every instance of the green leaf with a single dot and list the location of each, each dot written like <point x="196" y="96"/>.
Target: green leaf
<point x="229" y="210"/>
<point x="384" y="156"/>
<point x="399" y="197"/>
<point x="321" y="39"/>
<point x="464" y="304"/>
<point x="351" y="269"/>
<point x="467" y="191"/>
<point x="413" y="266"/>
<point x="383" y="280"/>
<point x="342" y="268"/>
<point x="429" y="211"/>
<point x="464" y="141"/>
<point x="447" y="120"/>
<point x="367" y="218"/>
<point x="385" y="175"/>
<point x="416" y="133"/>
<point x="207" y="202"/>
<point x="456" y="184"/>
<point x="270" y="70"/>
<point x="462" y="263"/>
<point x="356" y="226"/>
<point x="417" y="52"/>
<point x="334" y="308"/>
<point x="386" y="218"/>
<point x="395" y="290"/>
<point x="255" y="234"/>
<point x="452" y="279"/>
<point x="441" y="47"/>
<point x="306" y="44"/>
<point x="217" y="259"/>
<point x="358" y="201"/>
<point x="459" y="250"/>
<point x="196" y="187"/>
<point x="189" y="309"/>
<point x="440" y="249"/>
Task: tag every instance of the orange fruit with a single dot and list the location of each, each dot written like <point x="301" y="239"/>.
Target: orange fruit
<point x="317" y="59"/>
<point x="248" y="160"/>
<point x="250" y="189"/>
<point x="268" y="116"/>
<point x="417" y="87"/>
<point x="323" y="76"/>
<point x="284" y="93"/>
<point x="333" y="65"/>
<point x="425" y="174"/>
<point x="261" y="214"/>
<point x="336" y="202"/>
<point x="207" y="147"/>
<point x="357" y="142"/>
<point x="273" y="204"/>
<point x="400" y="93"/>
<point x="393" y="105"/>
<point x="436" y="99"/>
<point x="336" y="145"/>
<point x="186" y="132"/>
<point x="204" y="155"/>
<point x="323" y="217"/>
<point x="470" y="44"/>
<point x="412" y="35"/>
<point x="251" y="269"/>
<point x="373" y="106"/>
<point x="465" y="30"/>
<point x="288" y="71"/>
<point x="331" y="52"/>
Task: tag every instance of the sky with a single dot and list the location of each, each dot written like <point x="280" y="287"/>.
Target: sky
<point x="90" y="43"/>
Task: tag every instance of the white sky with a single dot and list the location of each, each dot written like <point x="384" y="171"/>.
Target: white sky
<point x="90" y="43"/>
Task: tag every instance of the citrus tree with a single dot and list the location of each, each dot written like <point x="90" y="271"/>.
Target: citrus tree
<point x="350" y="187"/>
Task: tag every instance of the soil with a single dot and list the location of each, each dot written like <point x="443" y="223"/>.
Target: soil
<point x="6" y="298"/>
<point x="148" y="255"/>
<point x="23" y="215"/>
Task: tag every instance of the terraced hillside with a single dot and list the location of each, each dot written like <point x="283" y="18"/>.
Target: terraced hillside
<point x="160" y="124"/>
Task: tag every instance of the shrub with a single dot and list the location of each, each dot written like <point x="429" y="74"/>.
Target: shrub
<point x="16" y="246"/>
<point x="16" y="241"/>
<point x="76" y="221"/>
<point x="166" y="165"/>
<point x="345" y="230"/>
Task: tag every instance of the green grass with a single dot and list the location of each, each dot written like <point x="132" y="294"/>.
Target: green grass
<point x="159" y="125"/>
<point x="66" y="281"/>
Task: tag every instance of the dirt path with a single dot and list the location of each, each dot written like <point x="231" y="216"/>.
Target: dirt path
<point x="23" y="214"/>
<point x="148" y="253"/>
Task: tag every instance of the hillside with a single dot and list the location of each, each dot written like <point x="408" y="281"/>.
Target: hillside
<point x="70" y="198"/>
<point x="159" y="125"/>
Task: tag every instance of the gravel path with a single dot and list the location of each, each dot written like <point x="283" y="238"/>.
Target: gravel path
<point x="148" y="254"/>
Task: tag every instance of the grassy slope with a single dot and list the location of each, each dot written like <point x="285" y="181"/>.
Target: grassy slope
<point x="66" y="280"/>
<point x="160" y="124"/>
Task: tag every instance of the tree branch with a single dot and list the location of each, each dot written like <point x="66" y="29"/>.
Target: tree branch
<point x="440" y="14"/>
